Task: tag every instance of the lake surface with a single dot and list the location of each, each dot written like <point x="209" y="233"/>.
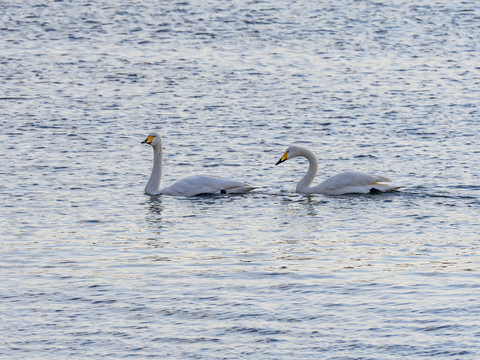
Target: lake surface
<point x="91" y="267"/>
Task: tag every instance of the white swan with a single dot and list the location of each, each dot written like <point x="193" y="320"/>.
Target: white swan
<point x="189" y="186"/>
<point x="344" y="183"/>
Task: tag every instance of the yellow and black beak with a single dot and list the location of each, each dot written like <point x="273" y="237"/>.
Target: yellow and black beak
<point x="148" y="140"/>
<point x="283" y="158"/>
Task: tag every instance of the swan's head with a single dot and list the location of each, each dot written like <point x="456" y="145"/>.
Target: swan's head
<point x="291" y="152"/>
<point x="153" y="139"/>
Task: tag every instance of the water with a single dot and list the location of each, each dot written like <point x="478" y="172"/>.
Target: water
<point x="93" y="268"/>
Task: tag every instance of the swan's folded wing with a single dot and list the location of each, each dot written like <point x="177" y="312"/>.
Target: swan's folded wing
<point x="351" y="179"/>
<point x="203" y="184"/>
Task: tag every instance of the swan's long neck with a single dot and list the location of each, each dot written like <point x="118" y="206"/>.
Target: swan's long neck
<point x="153" y="184"/>
<point x="304" y="184"/>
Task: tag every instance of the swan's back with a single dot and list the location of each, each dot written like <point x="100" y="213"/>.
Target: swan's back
<point x="203" y="184"/>
<point x="352" y="182"/>
<point x="352" y="178"/>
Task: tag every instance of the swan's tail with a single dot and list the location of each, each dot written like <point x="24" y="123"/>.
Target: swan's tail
<point x="239" y="189"/>
<point x="383" y="187"/>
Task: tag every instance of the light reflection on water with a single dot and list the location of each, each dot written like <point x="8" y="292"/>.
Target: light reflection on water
<point x="92" y="267"/>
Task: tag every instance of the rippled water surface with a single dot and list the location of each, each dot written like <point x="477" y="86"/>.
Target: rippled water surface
<point x="91" y="267"/>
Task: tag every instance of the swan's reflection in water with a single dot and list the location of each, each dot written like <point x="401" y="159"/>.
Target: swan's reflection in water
<point x="154" y="218"/>
<point x="155" y="208"/>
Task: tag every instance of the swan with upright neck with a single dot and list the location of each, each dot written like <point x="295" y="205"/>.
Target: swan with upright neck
<point x="344" y="183"/>
<point x="191" y="185"/>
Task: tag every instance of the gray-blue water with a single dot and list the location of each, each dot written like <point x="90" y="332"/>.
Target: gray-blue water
<point x="91" y="267"/>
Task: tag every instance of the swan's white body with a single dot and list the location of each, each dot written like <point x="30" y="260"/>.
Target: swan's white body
<point x="344" y="183"/>
<point x="189" y="186"/>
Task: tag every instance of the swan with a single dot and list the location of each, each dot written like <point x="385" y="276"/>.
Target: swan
<point x="191" y="185"/>
<point x="344" y="183"/>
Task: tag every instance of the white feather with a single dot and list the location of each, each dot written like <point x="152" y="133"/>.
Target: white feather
<point x="204" y="184"/>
